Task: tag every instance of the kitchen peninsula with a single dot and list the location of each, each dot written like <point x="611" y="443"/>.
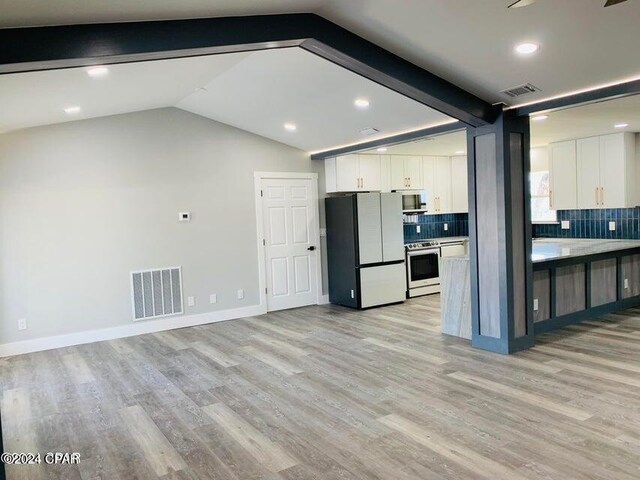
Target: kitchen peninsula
<point x="573" y="280"/>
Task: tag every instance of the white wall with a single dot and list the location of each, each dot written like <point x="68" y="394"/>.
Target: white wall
<point x="84" y="203"/>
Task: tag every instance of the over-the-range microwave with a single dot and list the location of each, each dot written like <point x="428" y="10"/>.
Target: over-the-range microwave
<point x="414" y="201"/>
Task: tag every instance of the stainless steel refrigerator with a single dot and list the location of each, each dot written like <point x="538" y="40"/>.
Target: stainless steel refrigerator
<point x="365" y="249"/>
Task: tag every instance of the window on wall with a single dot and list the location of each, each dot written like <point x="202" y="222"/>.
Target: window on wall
<point x="540" y="211"/>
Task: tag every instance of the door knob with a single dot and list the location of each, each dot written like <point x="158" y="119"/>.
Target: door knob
<point x="311" y="248"/>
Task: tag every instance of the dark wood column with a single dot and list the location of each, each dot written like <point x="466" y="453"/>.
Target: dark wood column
<point x="500" y="235"/>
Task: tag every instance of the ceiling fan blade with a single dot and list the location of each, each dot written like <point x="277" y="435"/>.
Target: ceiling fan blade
<point x="521" y="3"/>
<point x="613" y="2"/>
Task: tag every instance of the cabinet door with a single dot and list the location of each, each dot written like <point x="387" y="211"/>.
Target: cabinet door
<point x="347" y="173"/>
<point x="563" y="173"/>
<point x="443" y="184"/>
<point x="588" y="152"/>
<point x="429" y="182"/>
<point x="385" y="173"/>
<point x="398" y="178"/>
<point x="370" y="178"/>
<point x="612" y="171"/>
<point x="413" y="170"/>
<point x="459" y="186"/>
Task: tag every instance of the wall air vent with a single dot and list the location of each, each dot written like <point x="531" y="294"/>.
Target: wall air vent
<point x="520" y="90"/>
<point x="369" y="131"/>
<point x="156" y="293"/>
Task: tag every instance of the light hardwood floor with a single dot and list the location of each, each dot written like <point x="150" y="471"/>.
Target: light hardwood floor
<point x="329" y="393"/>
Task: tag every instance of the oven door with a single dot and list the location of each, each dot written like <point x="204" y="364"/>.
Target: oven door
<point x="422" y="268"/>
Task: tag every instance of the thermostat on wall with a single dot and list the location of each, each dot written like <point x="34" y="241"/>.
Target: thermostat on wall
<point x="184" y="217"/>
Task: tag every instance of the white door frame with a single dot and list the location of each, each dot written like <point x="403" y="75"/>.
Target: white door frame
<point x="262" y="267"/>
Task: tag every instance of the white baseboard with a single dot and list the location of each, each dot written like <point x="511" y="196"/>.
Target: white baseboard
<point x="324" y="299"/>
<point x="129" y="330"/>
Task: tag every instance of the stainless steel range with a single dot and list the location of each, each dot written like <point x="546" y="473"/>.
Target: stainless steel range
<point x="423" y="272"/>
<point x="423" y="263"/>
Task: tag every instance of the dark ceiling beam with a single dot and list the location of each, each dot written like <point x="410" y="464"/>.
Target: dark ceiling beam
<point x="40" y="48"/>
<point x="388" y="141"/>
<point x="584" y="98"/>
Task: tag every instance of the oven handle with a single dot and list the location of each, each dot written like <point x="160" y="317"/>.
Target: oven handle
<point x="435" y="251"/>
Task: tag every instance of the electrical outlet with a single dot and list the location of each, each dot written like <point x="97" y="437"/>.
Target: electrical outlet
<point x="417" y="228"/>
<point x="535" y="304"/>
<point x="612" y="226"/>
<point x="626" y="283"/>
<point x="565" y="225"/>
<point x="22" y="324"/>
<point x="446" y="227"/>
<point x="240" y="294"/>
<point x="353" y="294"/>
<point x="191" y="301"/>
<point x="213" y="298"/>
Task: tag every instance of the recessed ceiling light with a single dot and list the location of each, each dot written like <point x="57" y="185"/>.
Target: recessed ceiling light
<point x="381" y="150"/>
<point x="72" y="110"/>
<point x="621" y="125"/>
<point x="539" y="118"/>
<point x="97" y="71"/>
<point x="361" y="102"/>
<point x="459" y="152"/>
<point x="527" y="48"/>
<point x="291" y="127"/>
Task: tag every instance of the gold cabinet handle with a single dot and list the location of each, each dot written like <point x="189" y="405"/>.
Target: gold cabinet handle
<point x="550" y="198"/>
<point x="361" y="182"/>
<point x="602" y="196"/>
<point x="597" y="198"/>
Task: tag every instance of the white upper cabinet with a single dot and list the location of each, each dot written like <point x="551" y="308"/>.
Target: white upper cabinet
<point x="353" y="173"/>
<point x="406" y="172"/>
<point x="436" y="178"/>
<point x="606" y="171"/>
<point x="370" y="174"/>
<point x="562" y="173"/>
<point x="459" y="185"/>
<point x="588" y="160"/>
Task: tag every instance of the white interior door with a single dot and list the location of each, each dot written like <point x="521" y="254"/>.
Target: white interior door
<point x="289" y="215"/>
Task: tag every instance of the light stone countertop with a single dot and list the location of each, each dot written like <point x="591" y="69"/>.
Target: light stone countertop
<point x="545" y="249"/>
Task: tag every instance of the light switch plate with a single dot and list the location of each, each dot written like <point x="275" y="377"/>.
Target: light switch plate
<point x="446" y="227"/>
<point x="184" y="217"/>
<point x="535" y="304"/>
<point x="612" y="226"/>
<point x="22" y="324"/>
<point x="240" y="294"/>
<point x="417" y="228"/>
<point x="565" y="225"/>
<point x="626" y="283"/>
<point x="213" y="298"/>
<point x="191" y="301"/>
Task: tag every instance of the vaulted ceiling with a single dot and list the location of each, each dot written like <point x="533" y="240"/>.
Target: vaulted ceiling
<point x="255" y="91"/>
<point x="468" y="42"/>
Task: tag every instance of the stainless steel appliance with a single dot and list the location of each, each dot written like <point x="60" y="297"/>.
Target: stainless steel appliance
<point x="365" y="250"/>
<point x="414" y="201"/>
<point x="423" y="263"/>
<point x="423" y="268"/>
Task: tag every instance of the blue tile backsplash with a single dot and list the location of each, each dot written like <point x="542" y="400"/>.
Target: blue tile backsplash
<point x="432" y="226"/>
<point x="593" y="224"/>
